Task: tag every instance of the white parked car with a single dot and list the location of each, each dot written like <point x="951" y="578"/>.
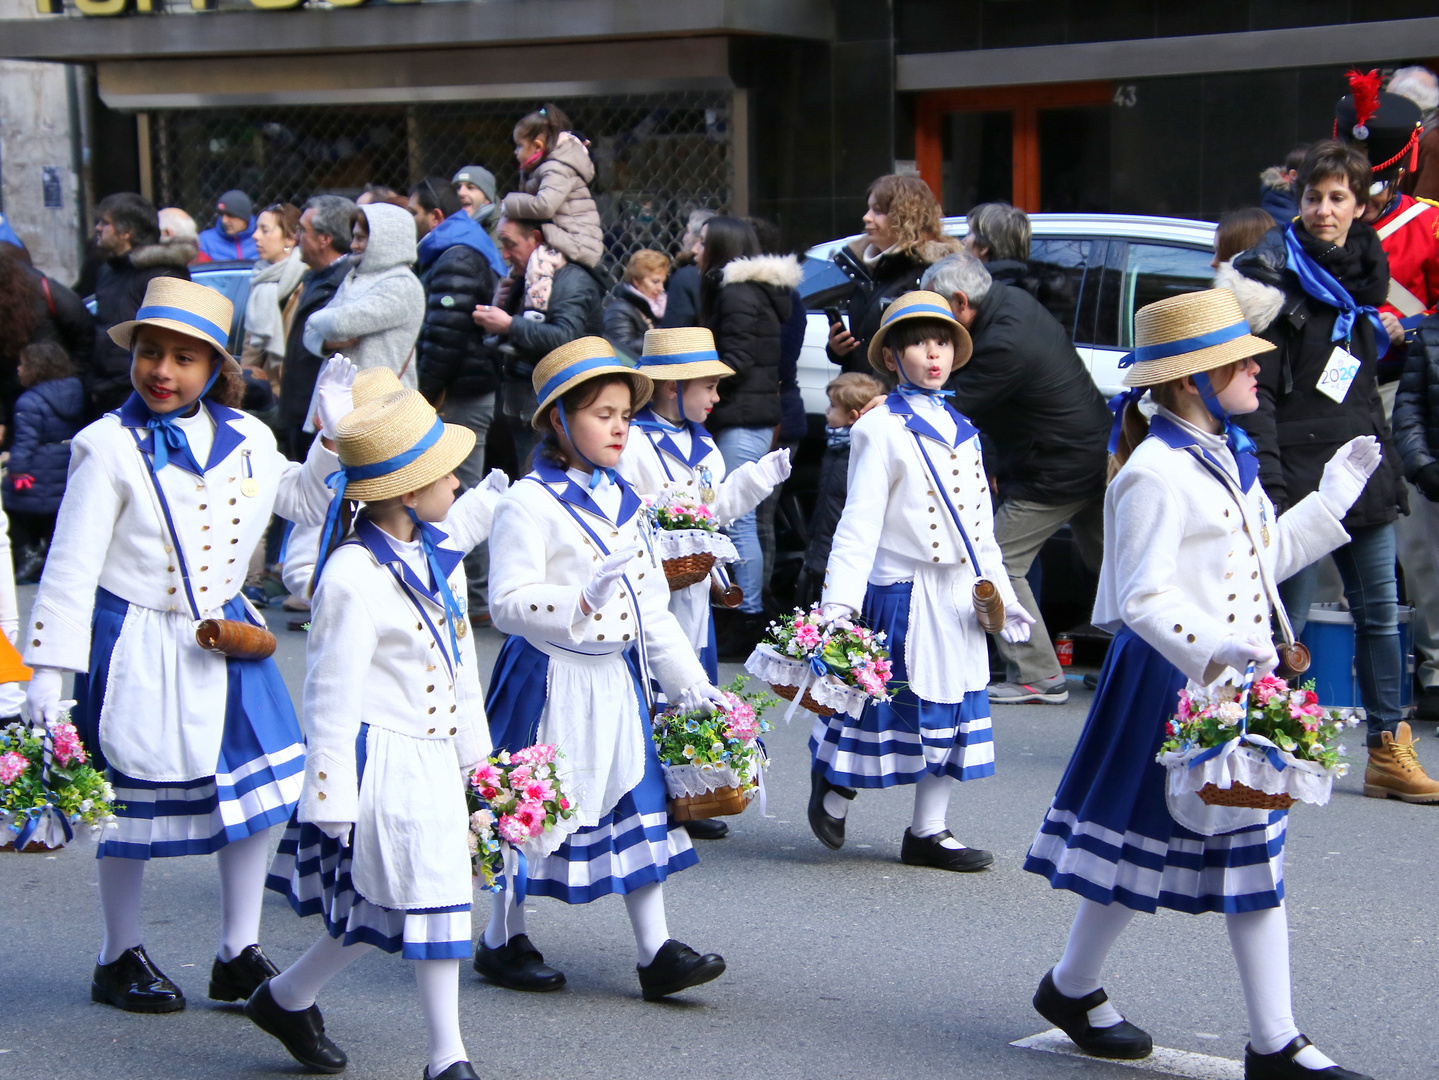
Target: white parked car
<point x="1095" y="271"/>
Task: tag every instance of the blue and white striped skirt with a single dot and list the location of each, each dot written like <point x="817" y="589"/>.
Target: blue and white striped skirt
<point x="257" y="777"/>
<point x="312" y="871"/>
<point x="1108" y="835"/>
<point x="899" y="741"/>
<point x="633" y="845"/>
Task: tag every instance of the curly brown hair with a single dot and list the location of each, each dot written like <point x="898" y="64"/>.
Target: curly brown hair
<point x="19" y="303"/>
<point x="913" y="210"/>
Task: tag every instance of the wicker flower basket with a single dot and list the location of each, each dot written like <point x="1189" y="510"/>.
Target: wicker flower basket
<point x="687" y="570"/>
<point x="808" y="701"/>
<point x="1242" y="795"/>
<point x="32" y="848"/>
<point x="721" y="802"/>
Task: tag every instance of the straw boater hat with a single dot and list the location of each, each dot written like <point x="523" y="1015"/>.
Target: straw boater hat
<point x="918" y="305"/>
<point x="397" y="444"/>
<point x="685" y="352"/>
<point x="372" y="384"/>
<point x="577" y="362"/>
<point x="1189" y="333"/>
<point x="186" y="307"/>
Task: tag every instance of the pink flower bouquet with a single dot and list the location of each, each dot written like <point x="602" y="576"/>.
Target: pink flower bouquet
<point x="40" y="813"/>
<point x="514" y="799"/>
<point x="713" y="762"/>
<point x="827" y="668"/>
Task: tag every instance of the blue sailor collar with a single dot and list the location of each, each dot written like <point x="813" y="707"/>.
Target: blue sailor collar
<point x="134" y="414"/>
<point x="1175" y="437"/>
<point x="659" y="430"/>
<point x="963" y="429"/>
<point x="550" y="474"/>
<point x="377" y="541"/>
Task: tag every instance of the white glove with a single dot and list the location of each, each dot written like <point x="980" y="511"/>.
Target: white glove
<point x="606" y="580"/>
<point x="497" y="481"/>
<point x="1236" y="652"/>
<point x="332" y="393"/>
<point x="830" y="614"/>
<point x="1346" y="473"/>
<point x="43" y="695"/>
<point x="702" y="697"/>
<point x="1016" y="624"/>
<point x="336" y="830"/>
<point x="773" y="469"/>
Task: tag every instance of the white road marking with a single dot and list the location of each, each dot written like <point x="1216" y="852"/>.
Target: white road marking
<point x="1163" y="1061"/>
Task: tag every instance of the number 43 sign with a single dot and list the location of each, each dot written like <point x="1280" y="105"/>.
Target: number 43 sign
<point x="1338" y="374"/>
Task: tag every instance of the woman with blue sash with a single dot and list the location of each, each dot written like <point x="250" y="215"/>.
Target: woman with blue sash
<point x="575" y="579"/>
<point x="166" y="499"/>
<point x="1312" y="288"/>
<point x="1193" y="552"/>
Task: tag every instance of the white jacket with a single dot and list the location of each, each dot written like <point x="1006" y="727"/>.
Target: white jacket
<point x="380" y="654"/>
<point x="111" y="533"/>
<point x="657" y="468"/>
<point x="1182" y="558"/>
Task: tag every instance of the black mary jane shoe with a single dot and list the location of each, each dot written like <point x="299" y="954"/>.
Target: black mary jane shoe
<point x="707" y="829"/>
<point x="1123" y="1041"/>
<point x="237" y="979"/>
<point x="517" y="965"/>
<point x="460" y="1070"/>
<point x="1281" y="1065"/>
<point x="828" y="830"/>
<point x="132" y="982"/>
<point x="930" y="851"/>
<point x="677" y="967"/>
<point x="302" y="1033"/>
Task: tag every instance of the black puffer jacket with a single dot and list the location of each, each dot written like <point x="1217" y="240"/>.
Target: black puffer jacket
<point x="682" y="308"/>
<point x="119" y="292"/>
<point x="878" y="280"/>
<point x="753" y="303"/>
<point x="451" y="355"/>
<point x="1028" y="391"/>
<point x="628" y="316"/>
<point x="1416" y="405"/>
<point x="1297" y="429"/>
<point x="828" y="506"/>
<point x="575" y="311"/>
<point x="302" y="367"/>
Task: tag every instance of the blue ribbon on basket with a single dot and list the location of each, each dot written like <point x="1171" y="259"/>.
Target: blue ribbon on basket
<point x="36" y="814"/>
<point x="818" y="666"/>
<point x="520" y="879"/>
<point x="1244" y="738"/>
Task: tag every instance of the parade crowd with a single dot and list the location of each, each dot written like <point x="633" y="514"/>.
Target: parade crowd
<point x="334" y="465"/>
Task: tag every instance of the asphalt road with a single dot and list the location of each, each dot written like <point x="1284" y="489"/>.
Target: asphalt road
<point x="842" y="965"/>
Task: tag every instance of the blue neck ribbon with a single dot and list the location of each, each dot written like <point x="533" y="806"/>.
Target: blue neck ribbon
<point x="596" y="471"/>
<point x="168" y="437"/>
<point x="441" y="584"/>
<point x="1324" y="287"/>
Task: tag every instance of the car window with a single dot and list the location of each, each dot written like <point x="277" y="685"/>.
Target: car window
<point x="1156" y="271"/>
<point x="1058" y="265"/>
<point x="824" y="284"/>
<point x="1101" y="303"/>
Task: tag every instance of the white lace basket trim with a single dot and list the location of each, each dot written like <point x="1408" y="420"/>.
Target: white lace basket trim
<point x="675" y="544"/>
<point x="1306" y="781"/>
<point x="769" y="665"/>
<point x="683" y="780"/>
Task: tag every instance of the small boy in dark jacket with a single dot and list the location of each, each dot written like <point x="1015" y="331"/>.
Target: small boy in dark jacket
<point x="47" y="416"/>
<point x="848" y="394"/>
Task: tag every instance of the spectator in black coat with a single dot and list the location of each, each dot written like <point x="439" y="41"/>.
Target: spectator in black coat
<point x="998" y="235"/>
<point x="1029" y="393"/>
<point x="903" y="236"/>
<point x="682" y="295"/>
<point x="637" y="304"/>
<point x="575" y="310"/>
<point x="55" y="314"/>
<point x="324" y="242"/>
<point x="127" y="229"/>
<point x="458" y="371"/>
<point x="47" y="416"/>
<point x="1416" y="434"/>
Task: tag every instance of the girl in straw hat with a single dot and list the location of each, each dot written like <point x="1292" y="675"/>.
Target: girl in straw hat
<point x="574" y="580"/>
<point x="167" y="497"/>
<point x="672" y="454"/>
<point x="916" y="534"/>
<point x="393" y="719"/>
<point x="1192" y="553"/>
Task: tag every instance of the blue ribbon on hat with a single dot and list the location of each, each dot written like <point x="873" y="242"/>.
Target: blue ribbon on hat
<point x="1324" y="287"/>
<point x="1165" y="349"/>
<point x="579" y="367"/>
<point x="662" y="359"/>
<point x="210" y="329"/>
<point x="338" y="480"/>
<point x="894" y="312"/>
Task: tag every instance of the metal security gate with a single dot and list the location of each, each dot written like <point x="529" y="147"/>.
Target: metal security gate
<point x="657" y="156"/>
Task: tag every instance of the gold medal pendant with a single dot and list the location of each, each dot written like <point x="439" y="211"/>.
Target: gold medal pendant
<point x="1264" y="535"/>
<point x="707" y="494"/>
<point x="249" y="487"/>
<point x="462" y="627"/>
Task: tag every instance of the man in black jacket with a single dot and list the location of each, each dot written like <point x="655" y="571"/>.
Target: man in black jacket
<point x="324" y="242"/>
<point x="1028" y="391"/>
<point x="127" y="230"/>
<point x="457" y="370"/>
<point x="575" y="310"/>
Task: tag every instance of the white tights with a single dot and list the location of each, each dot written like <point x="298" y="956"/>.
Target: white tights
<point x="437" y="982"/>
<point x="931" y="804"/>
<point x="1259" y="941"/>
<point x="242" y="888"/>
<point x="646" y="908"/>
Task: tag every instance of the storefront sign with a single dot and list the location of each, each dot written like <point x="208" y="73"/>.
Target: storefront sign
<point x="150" y="7"/>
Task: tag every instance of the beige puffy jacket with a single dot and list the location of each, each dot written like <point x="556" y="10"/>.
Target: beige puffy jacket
<point x="558" y="194"/>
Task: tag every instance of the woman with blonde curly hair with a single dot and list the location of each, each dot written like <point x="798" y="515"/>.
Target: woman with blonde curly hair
<point x="902" y="237"/>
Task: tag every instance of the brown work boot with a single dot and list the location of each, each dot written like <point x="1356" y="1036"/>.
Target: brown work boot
<point x="1394" y="771"/>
